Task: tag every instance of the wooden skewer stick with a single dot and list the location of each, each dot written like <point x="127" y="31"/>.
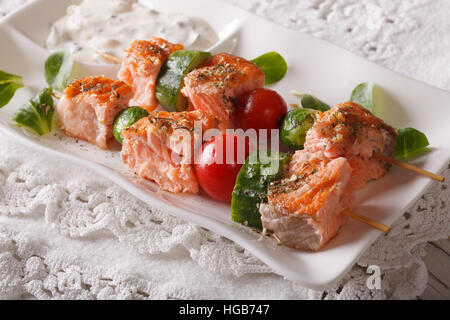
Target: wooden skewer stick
<point x="370" y="222"/>
<point x="56" y="95"/>
<point x="410" y="167"/>
<point x="109" y="57"/>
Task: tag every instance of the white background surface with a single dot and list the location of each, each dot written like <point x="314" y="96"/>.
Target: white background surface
<point x="406" y="36"/>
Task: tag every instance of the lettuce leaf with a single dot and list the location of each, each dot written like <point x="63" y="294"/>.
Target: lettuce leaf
<point x="9" y="84"/>
<point x="273" y="65"/>
<point x="58" y="69"/>
<point x="37" y="114"/>
<point x="364" y="94"/>
<point x="410" y="143"/>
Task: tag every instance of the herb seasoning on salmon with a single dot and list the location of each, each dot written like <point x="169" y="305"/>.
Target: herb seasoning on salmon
<point x="141" y="66"/>
<point x="215" y="87"/>
<point x="89" y="106"/>
<point x="161" y="148"/>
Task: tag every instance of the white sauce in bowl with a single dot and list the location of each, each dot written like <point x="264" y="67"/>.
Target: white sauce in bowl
<point x="109" y="26"/>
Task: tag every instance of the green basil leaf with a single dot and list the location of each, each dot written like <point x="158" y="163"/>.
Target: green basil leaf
<point x="364" y="94"/>
<point x="37" y="114"/>
<point x="58" y="69"/>
<point x="410" y="142"/>
<point x="310" y="102"/>
<point x="9" y="84"/>
<point x="273" y="65"/>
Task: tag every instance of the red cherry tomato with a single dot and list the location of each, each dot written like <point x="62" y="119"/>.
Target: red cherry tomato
<point x="219" y="163"/>
<point x="260" y="109"/>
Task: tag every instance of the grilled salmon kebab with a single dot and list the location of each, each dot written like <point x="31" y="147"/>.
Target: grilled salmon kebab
<point x="141" y="66"/>
<point x="150" y="144"/>
<point x="89" y="106"/>
<point x="304" y="207"/>
<point x="216" y="85"/>
<point x="351" y="131"/>
<point x="161" y="147"/>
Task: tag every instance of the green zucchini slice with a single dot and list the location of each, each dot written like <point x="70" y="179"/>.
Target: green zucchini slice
<point x="171" y="78"/>
<point x="252" y="182"/>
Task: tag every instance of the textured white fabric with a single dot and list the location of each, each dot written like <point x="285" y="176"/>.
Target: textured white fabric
<point x="67" y="233"/>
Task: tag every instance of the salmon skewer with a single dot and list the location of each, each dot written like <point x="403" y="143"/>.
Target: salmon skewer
<point x="304" y="207"/>
<point x="161" y="148"/>
<point x="346" y="148"/>
<point x="307" y="207"/>
<point x="351" y="131"/>
<point x="89" y="106"/>
<point x="215" y="87"/>
<point x="141" y="66"/>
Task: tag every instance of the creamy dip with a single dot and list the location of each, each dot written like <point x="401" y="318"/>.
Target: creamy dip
<point x="109" y="26"/>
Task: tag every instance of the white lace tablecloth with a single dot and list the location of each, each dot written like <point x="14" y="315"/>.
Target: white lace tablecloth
<point x="67" y="233"/>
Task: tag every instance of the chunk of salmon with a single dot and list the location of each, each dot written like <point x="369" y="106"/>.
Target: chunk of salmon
<point x="304" y="208"/>
<point x="215" y="87"/>
<point x="161" y="148"/>
<point x="349" y="130"/>
<point x="89" y="106"/>
<point x="141" y="66"/>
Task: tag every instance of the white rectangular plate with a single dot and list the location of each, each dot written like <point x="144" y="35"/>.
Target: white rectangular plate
<point x="315" y="67"/>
